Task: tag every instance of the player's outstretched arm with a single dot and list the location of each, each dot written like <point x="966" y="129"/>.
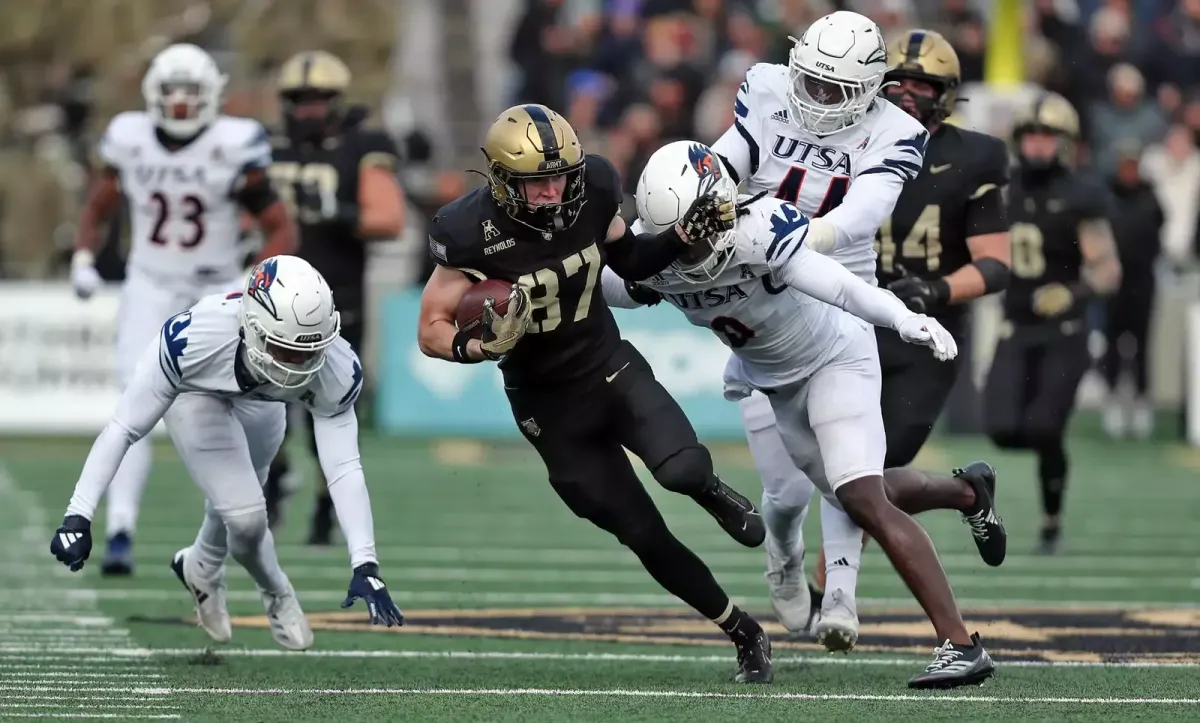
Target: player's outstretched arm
<point x="145" y="400"/>
<point x="635" y="257"/>
<point x="622" y="294"/>
<point x="335" y="431"/>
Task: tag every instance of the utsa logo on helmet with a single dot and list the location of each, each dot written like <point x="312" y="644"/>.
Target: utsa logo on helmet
<point x="704" y="163"/>
<point x="261" y="280"/>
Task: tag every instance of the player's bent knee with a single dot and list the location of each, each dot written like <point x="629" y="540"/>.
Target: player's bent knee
<point x="865" y="501"/>
<point x="686" y="472"/>
<point x="642" y="535"/>
<point x="246" y="528"/>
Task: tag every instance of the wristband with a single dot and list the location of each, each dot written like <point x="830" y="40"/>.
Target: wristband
<point x="458" y="349"/>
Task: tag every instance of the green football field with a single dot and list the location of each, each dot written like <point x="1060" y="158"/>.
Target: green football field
<point x="518" y="611"/>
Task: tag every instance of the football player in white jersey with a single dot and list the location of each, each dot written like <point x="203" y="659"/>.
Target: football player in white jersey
<point x="218" y="373"/>
<point x="816" y="134"/>
<point x="772" y="300"/>
<point x="185" y="170"/>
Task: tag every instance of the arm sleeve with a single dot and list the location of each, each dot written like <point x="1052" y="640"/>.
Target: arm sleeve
<point x="737" y="147"/>
<point x="613" y="288"/>
<point x="873" y="191"/>
<point x="826" y="280"/>
<point x="637" y="257"/>
<point x="145" y="400"/>
<point x="337" y="448"/>
<point x="985" y="204"/>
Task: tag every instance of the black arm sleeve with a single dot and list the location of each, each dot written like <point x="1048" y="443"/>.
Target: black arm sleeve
<point x="637" y="257"/>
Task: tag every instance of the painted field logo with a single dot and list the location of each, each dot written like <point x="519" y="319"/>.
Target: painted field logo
<point x="1045" y="634"/>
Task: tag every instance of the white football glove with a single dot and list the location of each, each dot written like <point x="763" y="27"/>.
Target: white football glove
<point x="920" y="329"/>
<point x="84" y="276"/>
<point x="822" y="236"/>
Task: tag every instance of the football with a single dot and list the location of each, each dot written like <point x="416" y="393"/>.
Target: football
<point x="469" y="317"/>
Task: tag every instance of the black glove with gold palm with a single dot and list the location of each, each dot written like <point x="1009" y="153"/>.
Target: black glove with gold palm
<point x="1053" y="300"/>
<point x="502" y="332"/>
<point x="706" y="217"/>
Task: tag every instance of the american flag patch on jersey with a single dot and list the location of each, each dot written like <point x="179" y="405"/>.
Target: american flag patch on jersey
<point x="438" y="249"/>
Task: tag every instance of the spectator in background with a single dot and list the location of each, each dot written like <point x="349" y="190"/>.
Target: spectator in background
<point x="1136" y="222"/>
<point x="1126" y="115"/>
<point x="1174" y="57"/>
<point x="1173" y="168"/>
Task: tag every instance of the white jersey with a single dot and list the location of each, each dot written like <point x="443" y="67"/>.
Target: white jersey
<point x="777" y="305"/>
<point x="851" y="178"/>
<point x="198" y="352"/>
<point x="185" y="220"/>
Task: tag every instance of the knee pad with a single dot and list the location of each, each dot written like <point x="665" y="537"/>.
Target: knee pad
<point x="246" y="528"/>
<point x="688" y="471"/>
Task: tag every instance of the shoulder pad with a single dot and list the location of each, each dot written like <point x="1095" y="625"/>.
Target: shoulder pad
<point x="896" y="145"/>
<point x="124" y="132"/>
<point x="173" y="342"/>
<point x="245" y="142"/>
<point x="376" y="148"/>
<point x="601" y="175"/>
<point x="776" y="230"/>
<point x="455" y="228"/>
<point x="338" y="383"/>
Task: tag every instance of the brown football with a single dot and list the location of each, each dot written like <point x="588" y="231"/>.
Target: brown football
<point x="469" y="316"/>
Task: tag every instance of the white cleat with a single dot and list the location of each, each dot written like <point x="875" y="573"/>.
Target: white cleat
<point x="289" y="627"/>
<point x="837" y="628"/>
<point x="789" y="589"/>
<point x="207" y="588"/>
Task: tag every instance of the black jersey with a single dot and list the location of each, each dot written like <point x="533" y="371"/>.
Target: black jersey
<point x="571" y="331"/>
<point x="1044" y="234"/>
<point x="318" y="183"/>
<point x="957" y="195"/>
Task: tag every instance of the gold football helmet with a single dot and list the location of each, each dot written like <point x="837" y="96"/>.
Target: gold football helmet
<point x="528" y="143"/>
<point x="925" y="56"/>
<point x="1052" y="114"/>
<point x="311" y="87"/>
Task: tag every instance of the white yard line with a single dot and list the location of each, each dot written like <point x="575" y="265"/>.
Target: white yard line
<point x="626" y="693"/>
<point x="86" y="653"/>
<point x="37" y="620"/>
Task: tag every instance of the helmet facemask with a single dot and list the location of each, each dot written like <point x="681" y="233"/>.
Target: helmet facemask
<point x="286" y="363"/>
<point x="513" y="191"/>
<point x="823" y="103"/>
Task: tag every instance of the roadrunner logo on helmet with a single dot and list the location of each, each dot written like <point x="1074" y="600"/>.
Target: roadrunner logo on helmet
<point x="675" y="176"/>
<point x="835" y="71"/>
<point x="288" y="321"/>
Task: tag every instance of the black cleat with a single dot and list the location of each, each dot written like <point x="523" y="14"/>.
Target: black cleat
<point x="754" y="660"/>
<point x="986" y="526"/>
<point x="118" y="559"/>
<point x="954" y="666"/>
<point x="736" y="514"/>
<point x="1049" y="539"/>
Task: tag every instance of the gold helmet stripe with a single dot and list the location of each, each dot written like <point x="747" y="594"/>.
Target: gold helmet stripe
<point x="915" y="40"/>
<point x="545" y="129"/>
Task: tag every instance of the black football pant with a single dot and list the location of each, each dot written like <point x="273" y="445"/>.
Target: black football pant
<point x="581" y="431"/>
<point x="1030" y="395"/>
<point x="1128" y="313"/>
<point x="915" y="388"/>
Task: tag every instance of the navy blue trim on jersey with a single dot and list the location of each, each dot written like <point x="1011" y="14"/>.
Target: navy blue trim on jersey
<point x="785" y="223"/>
<point x="750" y="143"/>
<point x="174" y="341"/>
<point x="356" y="384"/>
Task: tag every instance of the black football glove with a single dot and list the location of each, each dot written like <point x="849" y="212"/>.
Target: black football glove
<point x="643" y="295"/>
<point x="707" y="217"/>
<point x="72" y="542"/>
<point x="923" y="296"/>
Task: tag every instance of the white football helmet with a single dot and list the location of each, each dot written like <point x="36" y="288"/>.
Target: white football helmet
<point x="288" y="321"/>
<point x="675" y="176"/>
<point x="183" y="89"/>
<point x="835" y="70"/>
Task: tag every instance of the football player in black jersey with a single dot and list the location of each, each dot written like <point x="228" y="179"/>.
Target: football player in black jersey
<point x="1063" y="254"/>
<point x="945" y="244"/>
<point x="340" y="181"/>
<point x="548" y="223"/>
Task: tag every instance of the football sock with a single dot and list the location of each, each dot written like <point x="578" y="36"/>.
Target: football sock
<point x="739" y="626"/>
<point x="253" y="546"/>
<point x="843" y="542"/>
<point x="211" y="545"/>
<point x="125" y="492"/>
<point x="1052" y="472"/>
<point x="784" y="525"/>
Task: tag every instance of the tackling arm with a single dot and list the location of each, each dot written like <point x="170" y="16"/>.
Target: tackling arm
<point x="826" y="280"/>
<point x="337" y="449"/>
<point x="617" y="290"/>
<point x="145" y="400"/>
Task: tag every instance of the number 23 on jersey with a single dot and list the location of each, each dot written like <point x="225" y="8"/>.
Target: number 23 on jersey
<point x="546" y="292"/>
